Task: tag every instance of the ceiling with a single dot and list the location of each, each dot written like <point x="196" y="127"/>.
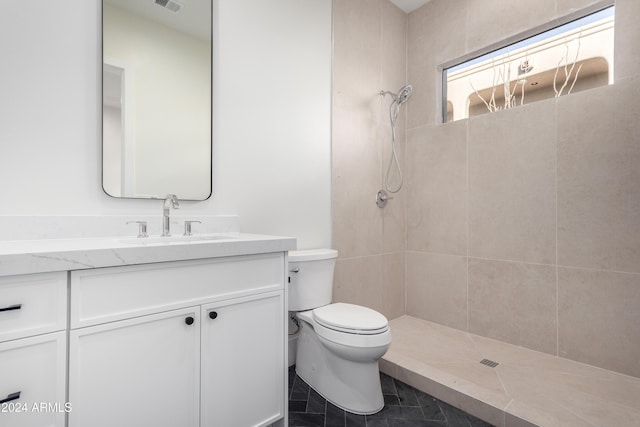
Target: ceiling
<point x="409" y="5"/>
<point x="194" y="18"/>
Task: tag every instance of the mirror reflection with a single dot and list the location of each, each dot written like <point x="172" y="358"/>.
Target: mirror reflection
<point x="156" y="133"/>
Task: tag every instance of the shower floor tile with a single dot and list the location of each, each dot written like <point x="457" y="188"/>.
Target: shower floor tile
<point x="404" y="406"/>
<point x="507" y="385"/>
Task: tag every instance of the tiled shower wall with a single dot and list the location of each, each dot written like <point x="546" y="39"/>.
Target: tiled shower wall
<point x="522" y="225"/>
<point x="370" y="54"/>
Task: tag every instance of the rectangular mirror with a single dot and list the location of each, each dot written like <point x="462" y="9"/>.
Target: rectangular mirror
<point x="156" y="98"/>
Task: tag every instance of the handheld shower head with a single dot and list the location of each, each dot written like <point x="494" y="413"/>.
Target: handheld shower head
<point x="404" y="94"/>
<point x="400" y="98"/>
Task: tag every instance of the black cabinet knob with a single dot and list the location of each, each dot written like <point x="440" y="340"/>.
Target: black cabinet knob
<point x="189" y="320"/>
<point x="213" y="315"/>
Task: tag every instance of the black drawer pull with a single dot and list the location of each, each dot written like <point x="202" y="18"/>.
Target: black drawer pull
<point x="213" y="315"/>
<point x="189" y="320"/>
<point x="12" y="396"/>
<point x="11" y="307"/>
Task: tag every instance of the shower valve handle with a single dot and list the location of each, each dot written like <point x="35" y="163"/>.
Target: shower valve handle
<point x="382" y="198"/>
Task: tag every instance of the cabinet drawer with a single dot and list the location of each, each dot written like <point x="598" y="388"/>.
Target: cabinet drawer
<point x="34" y="379"/>
<point x="32" y="304"/>
<point x="110" y="294"/>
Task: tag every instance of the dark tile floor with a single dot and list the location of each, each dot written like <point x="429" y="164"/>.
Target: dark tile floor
<point x="404" y="406"/>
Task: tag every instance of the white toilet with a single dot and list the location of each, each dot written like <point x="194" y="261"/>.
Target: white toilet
<point x="339" y="344"/>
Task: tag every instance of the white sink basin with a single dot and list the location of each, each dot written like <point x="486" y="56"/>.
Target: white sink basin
<point x="168" y="240"/>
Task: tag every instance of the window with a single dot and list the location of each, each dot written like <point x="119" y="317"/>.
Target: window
<point x="567" y="59"/>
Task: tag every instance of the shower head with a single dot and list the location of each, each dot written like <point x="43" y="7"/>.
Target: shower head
<point x="402" y="96"/>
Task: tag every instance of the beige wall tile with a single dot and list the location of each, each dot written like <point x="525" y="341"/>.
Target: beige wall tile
<point x="566" y="7"/>
<point x="598" y="318"/>
<point x="421" y="70"/>
<point x="357" y="220"/>
<point x="437" y="189"/>
<point x="590" y="177"/>
<point x="394" y="51"/>
<point x="393" y="285"/>
<point x="513" y="302"/>
<point x="394" y="217"/>
<point x="357" y="281"/>
<point x="627" y="39"/>
<point x="430" y="29"/>
<point x="437" y="288"/>
<point x="423" y="75"/>
<point x="369" y="49"/>
<point x="512" y="187"/>
<point x="491" y="21"/>
<point x="627" y="112"/>
<point x="394" y="76"/>
<point x="356" y="52"/>
<point x="428" y="47"/>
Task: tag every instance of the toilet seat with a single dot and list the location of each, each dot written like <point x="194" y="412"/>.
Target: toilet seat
<point x="351" y="337"/>
<point x="351" y="319"/>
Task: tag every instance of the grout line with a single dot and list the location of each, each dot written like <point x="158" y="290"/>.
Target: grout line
<point x="467" y="214"/>
<point x="602" y="270"/>
<point x="557" y="269"/>
<point x="633" y="273"/>
<point x="406" y="164"/>
<point x="485" y="259"/>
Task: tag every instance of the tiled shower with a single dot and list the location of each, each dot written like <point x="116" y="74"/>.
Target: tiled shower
<point x="521" y="225"/>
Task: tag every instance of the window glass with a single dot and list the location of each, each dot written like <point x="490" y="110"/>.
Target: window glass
<point x="567" y="59"/>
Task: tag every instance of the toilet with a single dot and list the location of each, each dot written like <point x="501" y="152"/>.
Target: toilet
<point x="339" y="344"/>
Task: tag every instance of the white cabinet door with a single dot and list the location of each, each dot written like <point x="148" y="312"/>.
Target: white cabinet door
<point x="32" y="381"/>
<point x="143" y="371"/>
<point x="243" y="361"/>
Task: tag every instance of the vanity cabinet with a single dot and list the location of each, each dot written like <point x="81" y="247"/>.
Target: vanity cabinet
<point x="33" y="313"/>
<point x="188" y="343"/>
<point x="243" y="346"/>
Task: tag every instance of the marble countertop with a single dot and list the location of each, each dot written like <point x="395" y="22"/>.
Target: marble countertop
<point x="45" y="255"/>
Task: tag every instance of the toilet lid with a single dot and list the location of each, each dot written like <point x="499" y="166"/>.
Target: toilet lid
<point x="350" y="318"/>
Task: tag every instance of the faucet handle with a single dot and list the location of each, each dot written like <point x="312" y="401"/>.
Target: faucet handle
<point x="187" y="227"/>
<point x="142" y="228"/>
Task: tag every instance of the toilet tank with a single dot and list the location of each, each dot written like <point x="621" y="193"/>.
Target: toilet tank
<point x="311" y="278"/>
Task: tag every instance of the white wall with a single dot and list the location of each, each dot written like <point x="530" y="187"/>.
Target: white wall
<point x="271" y="115"/>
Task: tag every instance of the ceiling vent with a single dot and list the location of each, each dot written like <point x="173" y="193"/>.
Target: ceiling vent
<point x="171" y="5"/>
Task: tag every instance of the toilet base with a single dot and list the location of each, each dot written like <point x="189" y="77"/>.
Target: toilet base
<point x="352" y="386"/>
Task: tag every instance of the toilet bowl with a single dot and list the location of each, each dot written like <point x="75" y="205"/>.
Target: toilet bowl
<point x="339" y="344"/>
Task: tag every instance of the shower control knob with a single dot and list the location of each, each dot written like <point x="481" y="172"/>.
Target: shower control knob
<point x="382" y="198"/>
<point x="189" y="320"/>
<point x="213" y="315"/>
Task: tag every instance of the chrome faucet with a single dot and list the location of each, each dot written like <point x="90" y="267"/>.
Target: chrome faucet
<point x="170" y="201"/>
